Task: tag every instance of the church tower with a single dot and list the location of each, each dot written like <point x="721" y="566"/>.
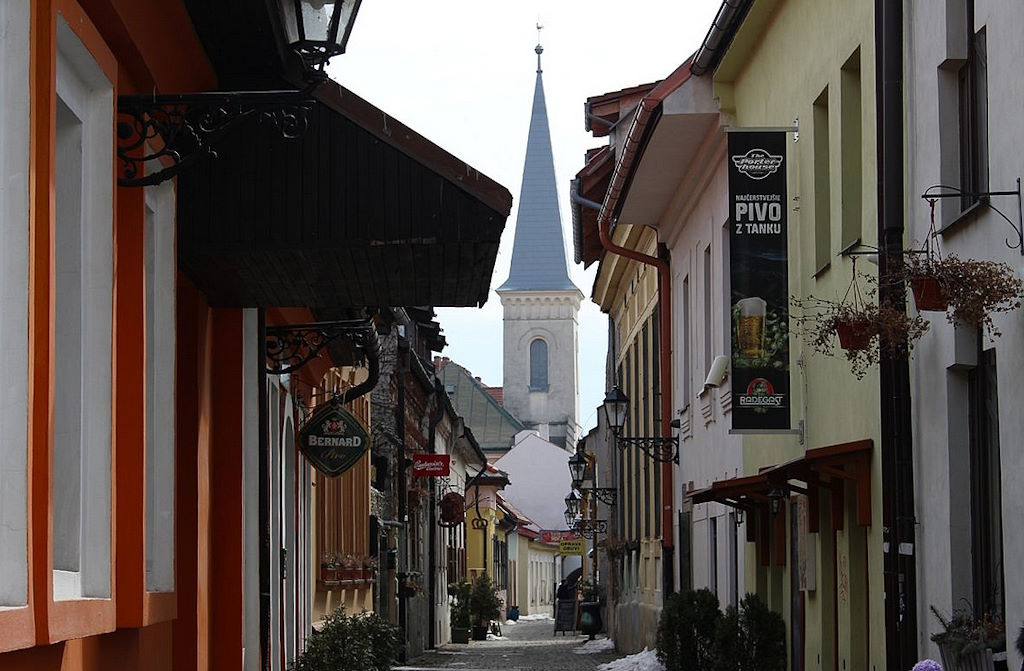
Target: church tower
<point x="540" y="301"/>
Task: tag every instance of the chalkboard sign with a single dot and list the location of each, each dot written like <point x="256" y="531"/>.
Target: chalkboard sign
<point x="565" y="614"/>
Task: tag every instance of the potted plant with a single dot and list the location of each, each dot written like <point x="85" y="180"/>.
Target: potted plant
<point x="369" y="567"/>
<point x="972" y="290"/>
<point x="590" y="608"/>
<point x="328" y="567"/>
<point x="484" y="606"/>
<point x="350" y="568"/>
<point x="459" y="611"/>
<point x="967" y="642"/>
<point x="863" y="327"/>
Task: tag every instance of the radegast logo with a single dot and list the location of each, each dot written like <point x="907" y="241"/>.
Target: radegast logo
<point x="757" y="163"/>
<point x="761" y="394"/>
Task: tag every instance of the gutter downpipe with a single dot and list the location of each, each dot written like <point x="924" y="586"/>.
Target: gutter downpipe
<point x="631" y="150"/>
<point x="897" y="459"/>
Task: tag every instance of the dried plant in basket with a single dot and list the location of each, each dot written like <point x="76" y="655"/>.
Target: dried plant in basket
<point x="863" y="329"/>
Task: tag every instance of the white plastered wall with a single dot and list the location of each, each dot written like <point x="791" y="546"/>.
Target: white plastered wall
<point x="14" y="161"/>
<point x="83" y="324"/>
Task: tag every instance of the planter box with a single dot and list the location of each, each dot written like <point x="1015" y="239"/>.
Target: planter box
<point x="982" y="660"/>
<point x="461" y="635"/>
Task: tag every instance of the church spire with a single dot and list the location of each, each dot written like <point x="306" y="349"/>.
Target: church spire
<point x="538" y="252"/>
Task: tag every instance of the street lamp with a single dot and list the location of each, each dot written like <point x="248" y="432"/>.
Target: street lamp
<point x="572" y="504"/>
<point x="318" y="29"/>
<point x="570" y="519"/>
<point x="577" y="468"/>
<point x="775" y="496"/>
<point x="159" y="135"/>
<point x="658" y="448"/>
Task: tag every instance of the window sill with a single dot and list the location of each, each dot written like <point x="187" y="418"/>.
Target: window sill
<point x="80" y="618"/>
<point x="965" y="217"/>
<point x="539" y="389"/>
<point x="18" y="627"/>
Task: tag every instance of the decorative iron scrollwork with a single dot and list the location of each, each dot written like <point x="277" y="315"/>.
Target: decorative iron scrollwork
<point x="291" y="347"/>
<point x="606" y="495"/>
<point x="588" y="528"/>
<point x="168" y="133"/>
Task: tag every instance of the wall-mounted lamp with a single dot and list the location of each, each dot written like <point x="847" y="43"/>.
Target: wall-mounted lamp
<point x="659" y="448"/>
<point x="167" y="133"/>
<point x="775" y="496"/>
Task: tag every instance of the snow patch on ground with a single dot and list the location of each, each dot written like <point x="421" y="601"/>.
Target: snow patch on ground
<point x="535" y="616"/>
<point x="595" y="646"/>
<point x="492" y="637"/>
<point x="642" y="661"/>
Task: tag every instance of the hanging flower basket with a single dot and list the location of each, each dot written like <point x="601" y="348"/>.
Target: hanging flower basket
<point x="854" y="335"/>
<point x="928" y="294"/>
<point x="865" y="330"/>
<point x="971" y="290"/>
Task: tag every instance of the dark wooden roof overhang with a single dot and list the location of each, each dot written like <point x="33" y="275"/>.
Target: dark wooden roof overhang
<point x="592" y="184"/>
<point x="361" y="211"/>
<point x="825" y="468"/>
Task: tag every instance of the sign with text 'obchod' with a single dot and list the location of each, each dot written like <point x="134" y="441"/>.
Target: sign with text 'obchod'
<point x="332" y="439"/>
<point x="759" y="275"/>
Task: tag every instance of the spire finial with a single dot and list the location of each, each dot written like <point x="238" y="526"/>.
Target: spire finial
<point x="539" y="49"/>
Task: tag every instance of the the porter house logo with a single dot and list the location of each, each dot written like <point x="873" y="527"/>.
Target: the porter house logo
<point x="332" y="439"/>
<point x="757" y="163"/>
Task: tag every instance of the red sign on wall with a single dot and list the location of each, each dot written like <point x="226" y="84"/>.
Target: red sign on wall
<point x="554" y="536"/>
<point x="427" y="465"/>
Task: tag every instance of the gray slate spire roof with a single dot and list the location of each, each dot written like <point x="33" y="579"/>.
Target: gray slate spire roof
<point x="538" y="253"/>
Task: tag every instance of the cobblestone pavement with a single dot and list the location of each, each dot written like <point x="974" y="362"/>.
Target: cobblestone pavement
<point x="530" y="646"/>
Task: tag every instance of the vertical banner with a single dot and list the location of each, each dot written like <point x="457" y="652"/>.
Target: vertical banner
<point x="759" y="272"/>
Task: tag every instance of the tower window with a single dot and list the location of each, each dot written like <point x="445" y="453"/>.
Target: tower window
<point x="538" y="365"/>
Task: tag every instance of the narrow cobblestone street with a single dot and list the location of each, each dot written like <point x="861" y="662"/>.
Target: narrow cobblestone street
<point x="527" y="646"/>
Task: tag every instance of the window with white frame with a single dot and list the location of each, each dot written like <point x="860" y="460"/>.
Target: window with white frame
<point x="82" y="322"/>
<point x="160" y="347"/>
<point x="14" y="162"/>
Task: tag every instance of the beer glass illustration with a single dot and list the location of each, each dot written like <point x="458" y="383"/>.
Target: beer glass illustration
<point x="750" y="326"/>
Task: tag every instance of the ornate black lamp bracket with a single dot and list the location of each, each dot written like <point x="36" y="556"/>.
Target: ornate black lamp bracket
<point x="158" y="136"/>
<point x="588" y="528"/>
<point x="953" y="192"/>
<point x="662" y="449"/>
<point x="606" y="495"/>
<point x="289" y="348"/>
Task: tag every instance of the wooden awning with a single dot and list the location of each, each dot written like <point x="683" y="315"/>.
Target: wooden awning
<point x="361" y="211"/>
<point x="824" y="468"/>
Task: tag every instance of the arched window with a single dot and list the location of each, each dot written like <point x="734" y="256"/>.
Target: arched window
<point x="538" y="365"/>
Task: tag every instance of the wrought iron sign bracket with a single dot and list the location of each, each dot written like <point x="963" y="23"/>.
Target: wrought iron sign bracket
<point x="291" y="347"/>
<point x="606" y="495"/>
<point x="158" y="136"/>
<point x="983" y="196"/>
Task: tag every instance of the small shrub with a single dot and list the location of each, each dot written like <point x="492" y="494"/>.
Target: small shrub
<point x="752" y="638"/>
<point x="364" y="642"/>
<point x="484" y="604"/>
<point x="686" y="631"/>
<point x="460" y="604"/>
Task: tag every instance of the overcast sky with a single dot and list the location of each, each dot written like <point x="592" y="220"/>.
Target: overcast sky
<point x="461" y="73"/>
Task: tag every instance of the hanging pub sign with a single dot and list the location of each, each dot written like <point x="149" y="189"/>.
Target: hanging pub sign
<point x="453" y="509"/>
<point x="759" y="273"/>
<point x="427" y="465"/>
<point x="332" y="439"/>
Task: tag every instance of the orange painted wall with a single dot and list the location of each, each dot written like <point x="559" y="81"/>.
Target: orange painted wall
<point x="141" y="45"/>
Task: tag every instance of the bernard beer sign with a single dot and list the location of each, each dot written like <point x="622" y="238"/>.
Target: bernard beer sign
<point x="759" y="279"/>
<point x="332" y="439"/>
